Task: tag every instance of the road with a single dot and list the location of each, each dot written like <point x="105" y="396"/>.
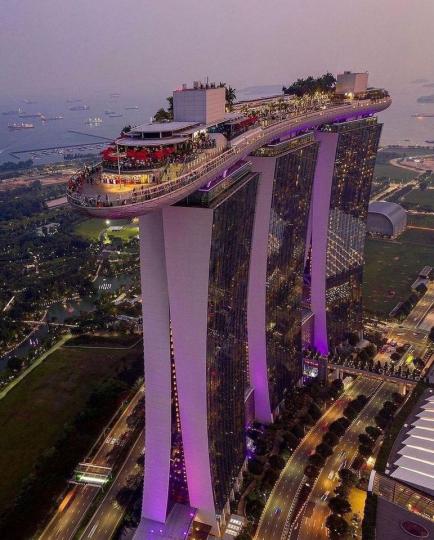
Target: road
<point x="310" y="524"/>
<point x="421" y="309"/>
<point x="272" y="525"/>
<point x="65" y="522"/>
<point x="107" y="517"/>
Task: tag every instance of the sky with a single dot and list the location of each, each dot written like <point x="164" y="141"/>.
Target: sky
<point x="75" y="47"/>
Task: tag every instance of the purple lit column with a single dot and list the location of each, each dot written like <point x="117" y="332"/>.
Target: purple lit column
<point x="319" y="218"/>
<point x="156" y="344"/>
<point x="188" y="233"/>
<point x="257" y="289"/>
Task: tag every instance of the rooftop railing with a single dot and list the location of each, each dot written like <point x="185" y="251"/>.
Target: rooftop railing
<point x="206" y="166"/>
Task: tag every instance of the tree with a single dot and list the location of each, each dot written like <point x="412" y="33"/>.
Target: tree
<point x="255" y="467"/>
<point x="230" y="96"/>
<point x="124" y="495"/>
<point x="365" y="450"/>
<point x="162" y="115"/>
<point x="298" y="431"/>
<point x="337" y="428"/>
<point x="324" y="449"/>
<point x="381" y="422"/>
<point x="371" y="350"/>
<point x="291" y="440"/>
<point x="331" y="438"/>
<point x="373" y="432"/>
<point x="276" y="462"/>
<point x="348" y="477"/>
<point x="364" y="439"/>
<point x="315" y="411"/>
<point x="397" y="397"/>
<point x="350" y="411"/>
<point x="311" y="471"/>
<point x="339" y="505"/>
<point x="337" y="524"/>
<point x="353" y="339"/>
<point x="317" y="460"/>
<point x="14" y="363"/>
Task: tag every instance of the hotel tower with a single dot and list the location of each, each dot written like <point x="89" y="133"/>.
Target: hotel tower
<point x="251" y="222"/>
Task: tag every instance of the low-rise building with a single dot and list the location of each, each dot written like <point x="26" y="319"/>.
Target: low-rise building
<point x="386" y="219"/>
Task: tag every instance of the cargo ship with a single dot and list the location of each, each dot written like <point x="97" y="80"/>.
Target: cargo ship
<point x="22" y="125"/>
<point x="31" y="115"/>
<point x="50" y="118"/>
<point x="79" y="108"/>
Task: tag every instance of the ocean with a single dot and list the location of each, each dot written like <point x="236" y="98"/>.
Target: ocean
<point x="399" y="125"/>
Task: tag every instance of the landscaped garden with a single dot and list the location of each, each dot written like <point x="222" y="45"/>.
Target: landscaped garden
<point x="391" y="268"/>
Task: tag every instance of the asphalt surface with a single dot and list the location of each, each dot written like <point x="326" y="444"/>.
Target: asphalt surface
<point x="66" y="522"/>
<point x="310" y="523"/>
<point x="275" y="519"/>
<point x="107" y="517"/>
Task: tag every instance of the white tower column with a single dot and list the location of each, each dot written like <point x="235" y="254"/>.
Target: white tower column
<point x="156" y="344"/>
<point x="188" y="233"/>
<point x="257" y="289"/>
<point x="319" y="225"/>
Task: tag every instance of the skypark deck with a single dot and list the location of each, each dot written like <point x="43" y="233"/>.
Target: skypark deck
<point x="127" y="194"/>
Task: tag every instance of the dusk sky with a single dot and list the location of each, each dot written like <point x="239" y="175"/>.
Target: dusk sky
<point x="152" y="46"/>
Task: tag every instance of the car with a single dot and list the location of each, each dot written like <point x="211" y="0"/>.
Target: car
<point x="331" y="475"/>
<point x="325" y="495"/>
<point x="277" y="511"/>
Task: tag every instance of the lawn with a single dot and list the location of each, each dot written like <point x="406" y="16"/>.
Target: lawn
<point x="391" y="268"/>
<point x="421" y="220"/>
<point x="116" y="342"/>
<point x="33" y="414"/>
<point x="90" y="229"/>
<point x="422" y="199"/>
<point x="393" y="172"/>
<point x="127" y="233"/>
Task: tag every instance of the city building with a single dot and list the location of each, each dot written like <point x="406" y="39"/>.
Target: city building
<point x="342" y="185"/>
<point x="252" y="228"/>
<point x="386" y="219"/>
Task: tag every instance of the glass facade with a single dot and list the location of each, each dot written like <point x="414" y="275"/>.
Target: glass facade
<point x="353" y="172"/>
<point x="233" y="214"/>
<point x="293" y="179"/>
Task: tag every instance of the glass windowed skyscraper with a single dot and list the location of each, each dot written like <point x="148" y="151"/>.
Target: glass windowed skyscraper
<point x="239" y="216"/>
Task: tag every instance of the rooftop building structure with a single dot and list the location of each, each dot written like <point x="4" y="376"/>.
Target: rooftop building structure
<point x="239" y="214"/>
<point x="202" y="103"/>
<point x="386" y="219"/>
<point x="349" y="83"/>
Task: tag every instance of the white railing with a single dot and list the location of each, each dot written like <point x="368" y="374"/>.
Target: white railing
<point x="225" y="159"/>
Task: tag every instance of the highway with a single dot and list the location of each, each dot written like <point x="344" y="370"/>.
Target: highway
<point x="66" y="521"/>
<point x="107" y="517"/>
<point x="277" y="514"/>
<point x="310" y="523"/>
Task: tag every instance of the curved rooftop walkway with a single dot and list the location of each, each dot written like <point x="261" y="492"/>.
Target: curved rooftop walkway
<point x="172" y="191"/>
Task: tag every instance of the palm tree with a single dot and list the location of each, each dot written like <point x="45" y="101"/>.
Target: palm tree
<point x="231" y="96"/>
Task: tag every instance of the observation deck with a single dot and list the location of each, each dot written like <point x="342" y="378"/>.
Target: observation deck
<point x="161" y="164"/>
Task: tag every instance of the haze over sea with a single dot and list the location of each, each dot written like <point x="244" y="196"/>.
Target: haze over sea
<point x="400" y="127"/>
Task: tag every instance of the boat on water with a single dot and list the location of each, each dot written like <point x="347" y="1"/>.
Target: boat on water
<point x="29" y="101"/>
<point x="115" y="115"/>
<point x="21" y="125"/>
<point x="94" y="121"/>
<point x="50" y="118"/>
<point x="108" y="112"/>
<point x="429" y="141"/>
<point x="12" y="113"/>
<point x="132" y="108"/>
<point x="423" y="115"/>
<point x="31" y="115"/>
<point x="73" y="100"/>
<point x="79" y="108"/>
<point x="115" y="95"/>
